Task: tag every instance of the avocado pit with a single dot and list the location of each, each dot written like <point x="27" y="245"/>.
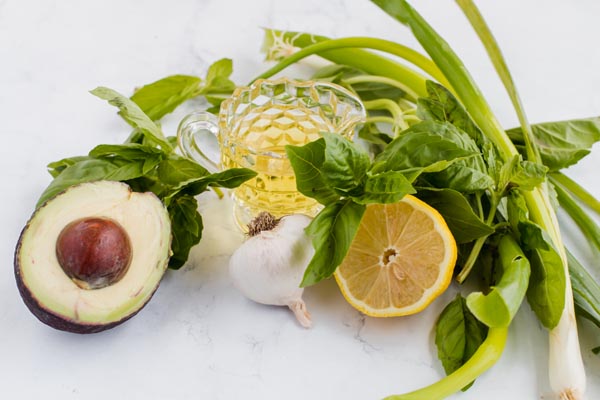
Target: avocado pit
<point x="94" y="252"/>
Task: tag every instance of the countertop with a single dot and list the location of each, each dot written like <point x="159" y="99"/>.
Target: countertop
<point x="199" y="338"/>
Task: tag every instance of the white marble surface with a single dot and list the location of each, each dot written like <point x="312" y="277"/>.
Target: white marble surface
<point x="199" y="338"/>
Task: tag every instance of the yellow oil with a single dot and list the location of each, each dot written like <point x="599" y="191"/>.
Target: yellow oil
<point x="257" y="141"/>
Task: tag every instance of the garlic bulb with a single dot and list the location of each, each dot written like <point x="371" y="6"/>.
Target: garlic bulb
<point x="269" y="266"/>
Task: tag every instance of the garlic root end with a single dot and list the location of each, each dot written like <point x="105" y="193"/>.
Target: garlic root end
<point x="301" y="313"/>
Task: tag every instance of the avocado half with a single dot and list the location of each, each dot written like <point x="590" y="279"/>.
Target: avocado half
<point x="91" y="257"/>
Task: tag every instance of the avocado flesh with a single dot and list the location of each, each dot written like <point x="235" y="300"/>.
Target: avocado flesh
<point x="50" y="290"/>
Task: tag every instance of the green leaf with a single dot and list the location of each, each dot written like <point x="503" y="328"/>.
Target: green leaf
<point x="529" y="233"/>
<point x="57" y="167"/>
<point x="464" y="224"/>
<point x="546" y="292"/>
<point x="218" y="71"/>
<point x="163" y="96"/>
<point x="345" y="165"/>
<point x="467" y="176"/>
<point x="586" y="291"/>
<point x="307" y="162"/>
<point x="130" y="155"/>
<point x="385" y="187"/>
<point x="230" y="178"/>
<point x="587" y="225"/>
<point x="428" y="146"/>
<point x="83" y="171"/>
<point x="441" y="106"/>
<point x="458" y="334"/>
<point x="218" y="86"/>
<point x="562" y="143"/>
<point x="177" y="170"/>
<point x="372" y="134"/>
<point x="525" y="175"/>
<point x="186" y="228"/>
<point x="332" y="232"/>
<point x="125" y="171"/>
<point x="498" y="307"/>
<point x="132" y="113"/>
<point x="127" y="151"/>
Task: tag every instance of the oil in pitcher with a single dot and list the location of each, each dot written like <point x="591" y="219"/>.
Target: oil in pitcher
<point x="260" y="140"/>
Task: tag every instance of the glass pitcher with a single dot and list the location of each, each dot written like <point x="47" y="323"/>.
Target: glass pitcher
<point x="253" y="127"/>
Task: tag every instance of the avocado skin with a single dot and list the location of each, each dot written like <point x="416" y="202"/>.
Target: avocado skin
<point x="51" y="319"/>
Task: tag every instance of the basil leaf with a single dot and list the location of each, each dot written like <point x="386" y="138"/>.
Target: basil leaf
<point x="130" y="155"/>
<point x="458" y="335"/>
<point x="345" y="165"/>
<point x="132" y="113"/>
<point x="307" y="162"/>
<point x="428" y="146"/>
<point x="372" y="134"/>
<point x="546" y="292"/>
<point x="498" y="307"/>
<point x="126" y="170"/>
<point x="229" y="178"/>
<point x="57" y="167"/>
<point x="465" y="176"/>
<point x="525" y="175"/>
<point x="177" y="170"/>
<point x="218" y="86"/>
<point x="562" y="143"/>
<point x="163" y="96"/>
<point x="186" y="228"/>
<point x="332" y="232"/>
<point x="441" y="105"/>
<point x="87" y="170"/>
<point x="220" y="69"/>
<point x="127" y="151"/>
<point x="529" y="233"/>
<point x="465" y="225"/>
<point x="468" y="175"/>
<point x="386" y="187"/>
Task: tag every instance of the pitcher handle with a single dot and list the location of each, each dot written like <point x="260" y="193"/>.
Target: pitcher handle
<point x="196" y="130"/>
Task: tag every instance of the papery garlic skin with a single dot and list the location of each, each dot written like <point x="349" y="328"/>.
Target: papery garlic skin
<point x="268" y="267"/>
